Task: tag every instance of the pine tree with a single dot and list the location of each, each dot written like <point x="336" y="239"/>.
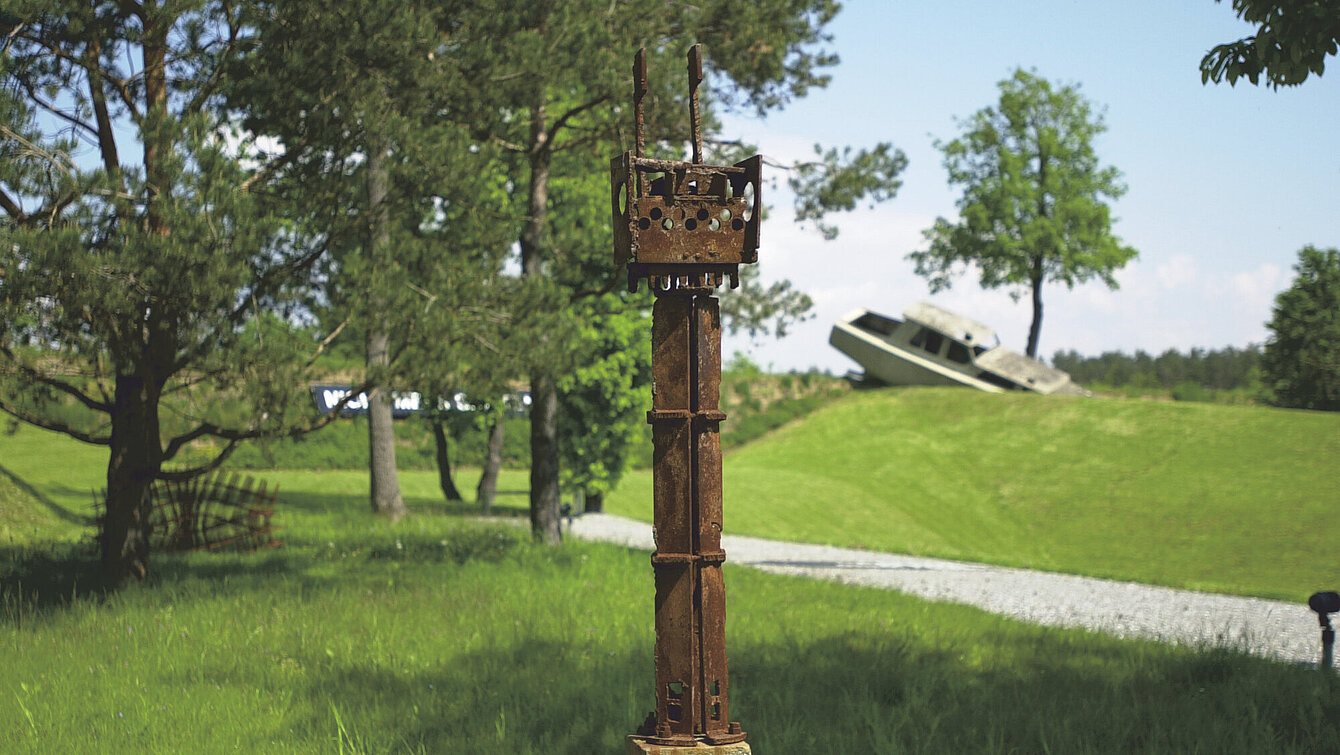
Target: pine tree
<point x="368" y="105"/>
<point x="143" y="281"/>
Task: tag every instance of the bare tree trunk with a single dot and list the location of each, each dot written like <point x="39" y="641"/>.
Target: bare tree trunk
<point x="1035" y="328"/>
<point x="488" y="480"/>
<point x="385" y="487"/>
<point x="440" y="442"/>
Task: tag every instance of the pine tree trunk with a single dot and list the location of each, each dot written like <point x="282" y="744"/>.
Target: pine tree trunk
<point x="440" y="442"/>
<point x="381" y="439"/>
<point x="385" y="487"/>
<point x="136" y="447"/>
<point x="136" y="456"/>
<point x="544" y="493"/>
<point x="488" y="480"/>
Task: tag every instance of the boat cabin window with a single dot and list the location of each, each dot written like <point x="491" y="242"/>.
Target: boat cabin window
<point x="929" y="340"/>
<point x="876" y="324"/>
<point x="958" y="353"/>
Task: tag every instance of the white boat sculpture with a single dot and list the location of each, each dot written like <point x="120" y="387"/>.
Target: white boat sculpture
<point x="932" y="346"/>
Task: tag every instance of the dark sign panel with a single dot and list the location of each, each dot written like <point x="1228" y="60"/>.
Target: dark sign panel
<point x="406" y="403"/>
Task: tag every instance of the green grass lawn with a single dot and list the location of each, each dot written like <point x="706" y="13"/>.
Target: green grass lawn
<point x="1235" y="499"/>
<point x="445" y="634"/>
<point x="435" y="635"/>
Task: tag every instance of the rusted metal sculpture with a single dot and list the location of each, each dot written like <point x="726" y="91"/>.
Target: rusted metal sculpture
<point x="212" y="512"/>
<point x="686" y="227"/>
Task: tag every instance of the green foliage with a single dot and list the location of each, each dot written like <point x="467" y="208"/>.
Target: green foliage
<point x="101" y="240"/>
<point x="1301" y="363"/>
<point x="837" y="181"/>
<point x="1033" y="208"/>
<point x="344" y="445"/>
<point x="604" y="398"/>
<point x="1292" y="41"/>
<point x="1189" y="391"/>
<point x="1229" y="375"/>
<point x="1220" y="498"/>
<point x="756" y="309"/>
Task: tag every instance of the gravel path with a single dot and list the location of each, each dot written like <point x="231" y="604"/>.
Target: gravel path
<point x="1274" y="629"/>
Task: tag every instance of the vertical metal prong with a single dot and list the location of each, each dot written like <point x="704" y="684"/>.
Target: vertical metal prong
<point x="695" y="78"/>
<point x="639" y="91"/>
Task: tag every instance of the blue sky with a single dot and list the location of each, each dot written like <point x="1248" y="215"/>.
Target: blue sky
<point x="1225" y="184"/>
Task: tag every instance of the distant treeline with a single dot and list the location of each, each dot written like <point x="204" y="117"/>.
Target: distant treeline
<point x="1228" y="369"/>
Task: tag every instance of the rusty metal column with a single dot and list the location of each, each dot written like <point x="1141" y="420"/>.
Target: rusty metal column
<point x="692" y="675"/>
<point x="686" y="228"/>
<point x="677" y="648"/>
<point x="715" y="712"/>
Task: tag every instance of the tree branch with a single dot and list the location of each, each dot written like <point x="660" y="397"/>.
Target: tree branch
<point x="261" y="288"/>
<point x="268" y="170"/>
<point x="54" y="426"/>
<point x="181" y="475"/>
<point x="233" y="436"/>
<point x="568" y="116"/>
<point x="592" y="292"/>
<point x="60" y="385"/>
<point x="106" y="138"/>
<point x="51" y="108"/>
<point x="326" y="342"/>
<point x="211" y="84"/>
<point x="509" y="146"/>
<point x="91" y="70"/>
<point x="11" y="207"/>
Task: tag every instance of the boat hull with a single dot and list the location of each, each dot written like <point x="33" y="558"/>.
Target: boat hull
<point x="891" y="364"/>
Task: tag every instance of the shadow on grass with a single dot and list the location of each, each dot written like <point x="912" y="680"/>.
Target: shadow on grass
<point x="357" y="504"/>
<point x="37" y="580"/>
<point x="847" y="693"/>
<point x="42" y="498"/>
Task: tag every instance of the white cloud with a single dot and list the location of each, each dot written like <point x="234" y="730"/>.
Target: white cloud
<point x="1178" y="271"/>
<point x="1256" y="289"/>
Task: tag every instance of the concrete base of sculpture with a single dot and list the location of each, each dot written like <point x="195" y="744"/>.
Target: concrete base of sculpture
<point x="638" y="746"/>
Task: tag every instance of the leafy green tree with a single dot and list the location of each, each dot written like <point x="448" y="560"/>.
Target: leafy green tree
<point x="604" y="397"/>
<point x="1292" y="41"/>
<point x="138" y="266"/>
<point x="1033" y="208"/>
<point x="1301" y="363"/>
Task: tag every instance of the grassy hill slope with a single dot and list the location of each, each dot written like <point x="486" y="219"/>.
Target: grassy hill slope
<point x="1224" y="498"/>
